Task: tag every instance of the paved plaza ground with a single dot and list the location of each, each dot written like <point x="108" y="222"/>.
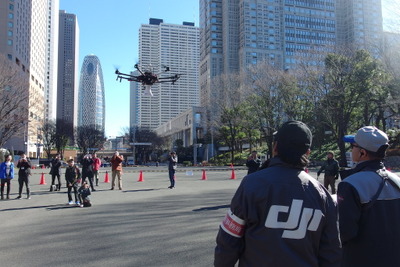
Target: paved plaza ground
<point x="145" y="224"/>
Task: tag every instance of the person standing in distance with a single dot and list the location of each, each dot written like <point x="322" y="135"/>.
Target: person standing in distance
<point x="172" y="165"/>
<point x="24" y="172"/>
<point x="253" y="162"/>
<point x="6" y="174"/>
<point x="96" y="167"/>
<point x="87" y="170"/>
<point x="331" y="169"/>
<point x="55" y="172"/>
<point x="280" y="215"/>
<point x="369" y="205"/>
<point x="116" y="169"/>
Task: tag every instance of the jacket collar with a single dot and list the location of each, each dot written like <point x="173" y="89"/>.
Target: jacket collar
<point x="276" y="161"/>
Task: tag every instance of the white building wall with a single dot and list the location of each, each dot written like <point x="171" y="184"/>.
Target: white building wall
<point x="175" y="46"/>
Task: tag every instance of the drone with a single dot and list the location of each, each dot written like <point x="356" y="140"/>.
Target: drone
<point x="147" y="78"/>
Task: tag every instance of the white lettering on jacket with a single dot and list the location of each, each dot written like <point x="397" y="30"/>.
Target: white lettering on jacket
<point x="298" y="222"/>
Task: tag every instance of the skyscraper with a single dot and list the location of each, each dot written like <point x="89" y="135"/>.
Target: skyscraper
<point x="24" y="39"/>
<point x="51" y="62"/>
<point x="68" y="60"/>
<point x="237" y="33"/>
<point x="91" y="107"/>
<point x="175" y="46"/>
<point x="360" y="24"/>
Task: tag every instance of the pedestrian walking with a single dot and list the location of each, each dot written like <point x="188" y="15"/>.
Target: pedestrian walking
<point x="72" y="178"/>
<point x="116" y="169"/>
<point x="87" y="170"/>
<point x="96" y="168"/>
<point x="331" y="169"/>
<point x="55" y="171"/>
<point x="24" y="172"/>
<point x="280" y="215"/>
<point x="369" y="204"/>
<point x="172" y="165"/>
<point x="6" y="174"/>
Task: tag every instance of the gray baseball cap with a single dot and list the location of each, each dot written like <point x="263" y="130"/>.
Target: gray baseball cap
<point x="371" y="138"/>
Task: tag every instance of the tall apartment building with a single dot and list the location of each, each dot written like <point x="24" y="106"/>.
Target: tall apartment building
<point x="91" y="106"/>
<point x="25" y="26"/>
<point x="68" y="61"/>
<point x="236" y="33"/>
<point x="175" y="46"/>
<point x="360" y="24"/>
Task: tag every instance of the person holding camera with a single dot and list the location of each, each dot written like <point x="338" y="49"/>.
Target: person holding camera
<point x="87" y="170"/>
<point x="24" y="172"/>
<point x="253" y="162"/>
<point x="116" y="169"/>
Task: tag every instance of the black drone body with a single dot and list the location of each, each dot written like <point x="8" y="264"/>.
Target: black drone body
<point x="147" y="77"/>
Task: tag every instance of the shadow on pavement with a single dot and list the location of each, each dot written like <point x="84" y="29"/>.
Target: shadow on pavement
<point x="212" y="208"/>
<point x="48" y="207"/>
<point x="139" y="190"/>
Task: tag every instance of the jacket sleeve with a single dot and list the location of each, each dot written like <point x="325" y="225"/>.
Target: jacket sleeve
<point x="230" y="241"/>
<point x="349" y="211"/>
<point x="321" y="169"/>
<point x="330" y="251"/>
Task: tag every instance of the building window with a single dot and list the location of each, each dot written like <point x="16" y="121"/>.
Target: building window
<point x="10" y="15"/>
<point x="9" y="42"/>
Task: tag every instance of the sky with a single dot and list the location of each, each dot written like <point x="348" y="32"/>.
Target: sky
<point x="109" y="29"/>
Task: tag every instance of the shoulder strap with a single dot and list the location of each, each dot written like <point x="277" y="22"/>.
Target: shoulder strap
<point x="384" y="177"/>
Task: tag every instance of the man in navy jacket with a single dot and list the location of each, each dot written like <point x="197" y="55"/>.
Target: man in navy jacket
<point x="280" y="215"/>
<point x="369" y="205"/>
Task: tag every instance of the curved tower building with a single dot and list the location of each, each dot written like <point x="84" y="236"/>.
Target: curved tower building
<point x="91" y="109"/>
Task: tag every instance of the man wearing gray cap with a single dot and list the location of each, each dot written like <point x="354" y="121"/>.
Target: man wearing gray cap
<point x="369" y="205"/>
<point x="280" y="215"/>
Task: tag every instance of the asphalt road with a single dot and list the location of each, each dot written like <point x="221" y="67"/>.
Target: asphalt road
<point x="145" y="224"/>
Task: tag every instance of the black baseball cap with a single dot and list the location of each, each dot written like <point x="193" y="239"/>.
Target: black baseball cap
<point x="293" y="137"/>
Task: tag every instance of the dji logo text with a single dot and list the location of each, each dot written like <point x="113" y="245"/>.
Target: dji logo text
<point x="299" y="220"/>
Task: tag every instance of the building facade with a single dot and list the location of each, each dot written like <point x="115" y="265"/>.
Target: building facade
<point x="68" y="60"/>
<point x="91" y="106"/>
<point x="360" y="24"/>
<point x="175" y="46"/>
<point x="25" y="27"/>
<point x="50" y="93"/>
<point x="237" y="33"/>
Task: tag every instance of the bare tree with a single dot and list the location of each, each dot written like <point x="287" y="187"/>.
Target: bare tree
<point x="225" y="107"/>
<point x="49" y="137"/>
<point x="62" y="135"/>
<point x="89" y="137"/>
<point x="13" y="100"/>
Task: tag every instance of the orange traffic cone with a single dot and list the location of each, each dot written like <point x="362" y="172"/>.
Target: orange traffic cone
<point x="43" y="166"/>
<point x="42" y="180"/>
<point x="140" y="177"/>
<point x="204" y="176"/>
<point x="233" y="175"/>
<point x="106" y="179"/>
